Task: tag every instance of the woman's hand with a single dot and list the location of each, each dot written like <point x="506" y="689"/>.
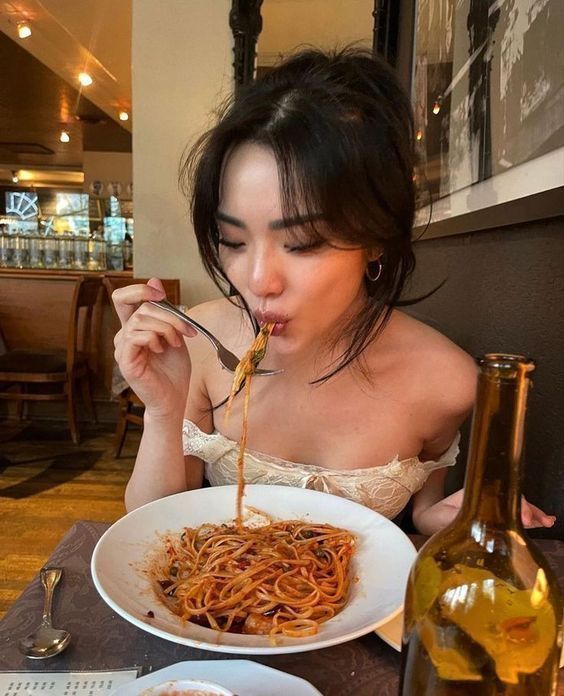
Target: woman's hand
<point x="150" y="350"/>
<point x="442" y="513"/>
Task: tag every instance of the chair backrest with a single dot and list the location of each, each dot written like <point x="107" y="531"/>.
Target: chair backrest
<point x="85" y="320"/>
<point x="3" y="346"/>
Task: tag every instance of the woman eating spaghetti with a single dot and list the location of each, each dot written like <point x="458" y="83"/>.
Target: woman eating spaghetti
<point x="303" y="204"/>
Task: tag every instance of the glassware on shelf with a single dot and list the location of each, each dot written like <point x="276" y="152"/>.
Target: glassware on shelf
<point x="36" y="251"/>
<point x="101" y="251"/>
<point x="127" y="253"/>
<point x="80" y="251"/>
<point x="5" y="250"/>
<point x="96" y="260"/>
<point x="482" y="613"/>
<point x="65" y="246"/>
<point x="50" y="250"/>
<point x="115" y="257"/>
<point x="20" y="246"/>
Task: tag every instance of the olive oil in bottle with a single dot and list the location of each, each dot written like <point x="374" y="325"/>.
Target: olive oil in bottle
<point x="482" y="613"/>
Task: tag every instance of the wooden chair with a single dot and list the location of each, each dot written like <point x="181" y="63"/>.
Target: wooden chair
<point x="130" y="406"/>
<point x="28" y="375"/>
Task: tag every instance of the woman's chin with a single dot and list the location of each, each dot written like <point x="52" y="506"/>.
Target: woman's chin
<point x="286" y="346"/>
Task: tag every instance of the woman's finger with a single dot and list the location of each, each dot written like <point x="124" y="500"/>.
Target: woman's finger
<point x="161" y="315"/>
<point x="128" y="299"/>
<point x="541" y="518"/>
<point x="526" y="515"/>
<point x="147" y="322"/>
<point x="532" y="516"/>
<point x="143" y="342"/>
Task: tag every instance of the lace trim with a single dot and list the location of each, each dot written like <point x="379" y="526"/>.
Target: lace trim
<point x="385" y="489"/>
<point x="211" y="447"/>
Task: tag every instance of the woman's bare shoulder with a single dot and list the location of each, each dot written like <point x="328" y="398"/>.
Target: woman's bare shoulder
<point x="440" y="369"/>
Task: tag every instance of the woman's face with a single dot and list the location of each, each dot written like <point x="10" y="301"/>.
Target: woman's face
<point x="307" y="288"/>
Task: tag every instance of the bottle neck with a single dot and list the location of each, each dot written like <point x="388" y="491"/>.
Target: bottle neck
<point x="493" y="475"/>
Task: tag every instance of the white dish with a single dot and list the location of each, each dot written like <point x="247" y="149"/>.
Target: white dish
<point x="188" y="686"/>
<point x="243" y="677"/>
<point x="382" y="561"/>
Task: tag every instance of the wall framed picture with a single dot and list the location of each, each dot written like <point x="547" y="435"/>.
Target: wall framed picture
<point x="488" y="96"/>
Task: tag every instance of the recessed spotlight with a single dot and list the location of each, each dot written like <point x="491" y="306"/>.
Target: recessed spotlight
<point x="84" y="79"/>
<point x="15" y="177"/>
<point x="24" y="30"/>
<point x="64" y="137"/>
<point x="123" y="116"/>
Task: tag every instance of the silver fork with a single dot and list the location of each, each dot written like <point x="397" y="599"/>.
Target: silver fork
<point x="227" y="359"/>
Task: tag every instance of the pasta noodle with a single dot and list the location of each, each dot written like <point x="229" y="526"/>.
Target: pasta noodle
<point x="286" y="577"/>
<point x="242" y="377"/>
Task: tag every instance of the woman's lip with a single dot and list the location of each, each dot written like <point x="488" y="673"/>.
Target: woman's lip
<point x="270" y="318"/>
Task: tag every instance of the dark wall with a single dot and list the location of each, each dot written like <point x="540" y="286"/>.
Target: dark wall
<point x="505" y="293"/>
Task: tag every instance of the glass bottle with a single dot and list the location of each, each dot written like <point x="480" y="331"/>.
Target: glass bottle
<point x="4" y="248"/>
<point x="65" y="245"/>
<point x="100" y="250"/>
<point x="482" y="613"/>
<point x="92" y="263"/>
<point x="21" y="249"/>
<point x="50" y="249"/>
<point x="80" y="251"/>
<point x="36" y="251"/>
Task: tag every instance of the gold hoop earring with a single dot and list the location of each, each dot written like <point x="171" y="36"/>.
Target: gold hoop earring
<point x="373" y="277"/>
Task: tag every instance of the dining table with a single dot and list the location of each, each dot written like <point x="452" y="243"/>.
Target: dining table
<point x="103" y="640"/>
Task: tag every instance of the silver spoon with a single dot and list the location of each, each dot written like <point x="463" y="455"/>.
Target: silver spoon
<point x="46" y="641"/>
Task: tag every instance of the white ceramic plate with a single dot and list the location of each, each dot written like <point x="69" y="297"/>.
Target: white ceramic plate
<point x="382" y="561"/>
<point x="240" y="676"/>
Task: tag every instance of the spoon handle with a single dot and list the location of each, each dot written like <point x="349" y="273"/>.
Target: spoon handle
<point x="49" y="579"/>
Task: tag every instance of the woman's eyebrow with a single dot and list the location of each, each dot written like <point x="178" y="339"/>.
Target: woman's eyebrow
<point x="294" y="221"/>
<point x="223" y="217"/>
<point x="281" y="224"/>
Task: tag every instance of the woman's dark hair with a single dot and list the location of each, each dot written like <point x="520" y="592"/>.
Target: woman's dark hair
<point x="341" y="129"/>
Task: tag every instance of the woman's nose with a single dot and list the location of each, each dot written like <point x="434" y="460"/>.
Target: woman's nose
<point x="265" y="275"/>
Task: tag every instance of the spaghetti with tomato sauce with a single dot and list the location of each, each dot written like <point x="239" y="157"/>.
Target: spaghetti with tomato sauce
<point x="286" y="577"/>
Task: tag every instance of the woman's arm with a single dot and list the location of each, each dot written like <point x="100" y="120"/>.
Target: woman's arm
<point x="426" y="519"/>
<point x="159" y="466"/>
<point x="151" y="349"/>
<point x="435" y="513"/>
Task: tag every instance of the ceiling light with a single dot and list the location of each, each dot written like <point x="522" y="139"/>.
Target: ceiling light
<point x="437" y="105"/>
<point x="24" y="30"/>
<point x="84" y="79"/>
<point x="15" y="177"/>
<point x="123" y="116"/>
<point x="64" y="137"/>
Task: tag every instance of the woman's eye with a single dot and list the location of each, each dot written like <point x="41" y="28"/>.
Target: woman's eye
<point x="229" y="244"/>
<point x="306" y="246"/>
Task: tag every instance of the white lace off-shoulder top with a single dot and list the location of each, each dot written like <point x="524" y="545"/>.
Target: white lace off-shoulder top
<point x="386" y="489"/>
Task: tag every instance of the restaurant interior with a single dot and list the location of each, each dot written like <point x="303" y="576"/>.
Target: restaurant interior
<point x="98" y="101"/>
